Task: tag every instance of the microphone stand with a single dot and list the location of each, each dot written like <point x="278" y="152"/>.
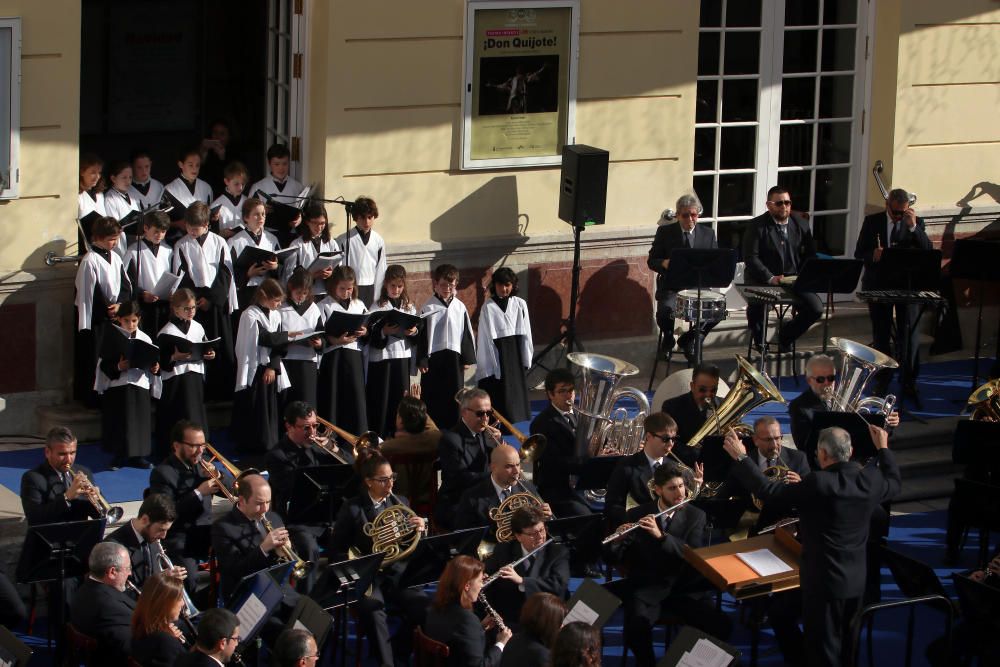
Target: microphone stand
<point x="348" y="211"/>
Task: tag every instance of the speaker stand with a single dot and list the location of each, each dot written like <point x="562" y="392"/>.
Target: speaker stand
<point x="567" y="329"/>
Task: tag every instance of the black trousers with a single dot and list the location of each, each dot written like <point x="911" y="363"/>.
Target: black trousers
<point x="666" y="311"/>
<point x="808" y="307"/>
<point x="826" y="624"/>
<point x="882" y="322"/>
<point x="645" y="606"/>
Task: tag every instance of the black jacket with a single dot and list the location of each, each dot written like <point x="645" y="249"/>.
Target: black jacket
<point x="657" y="565"/>
<point x="141" y="569"/>
<point x="689" y="418"/>
<point x="835" y="507"/>
<point x="667" y="238"/>
<point x="104" y="613"/>
<point x="801" y="411"/>
<point x="195" y="659"/>
<point x="43" y="497"/>
<point x="473" y="509"/>
<point x="175" y="479"/>
<point x="762" y="247"/>
<point x="523" y="650"/>
<point x="629" y="478"/>
<point x="348" y="531"/>
<point x="460" y="629"/>
<point x="283" y="460"/>
<point x="549" y="573"/>
<point x="236" y="543"/>
<point x="160" y="649"/>
<point x="878" y="224"/>
<point x="463" y="463"/>
<point x="558" y="459"/>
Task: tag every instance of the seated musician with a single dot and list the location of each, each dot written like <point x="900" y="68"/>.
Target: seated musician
<point x="659" y="579"/>
<point x="299" y="449"/>
<point x="181" y="478"/>
<point x="691" y="410"/>
<point x="157" y="639"/>
<point x="464" y="452"/>
<point x="101" y="609"/>
<point x="59" y="489"/>
<point x="451" y="620"/>
<point x="504" y="480"/>
<point x="218" y="637"/>
<point x="547" y="571"/>
<point x="776" y="244"/>
<point x="540" y="619"/>
<point x="295" y="648"/>
<point x="349" y="536"/>
<point x="141" y="537"/>
<point x="629" y="483"/>
<point x="687" y="233"/>
<point x="556" y="462"/>
<point x="413" y="450"/>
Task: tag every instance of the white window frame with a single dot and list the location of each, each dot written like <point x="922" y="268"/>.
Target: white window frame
<point x="10" y="171"/>
<point x="295" y="35"/>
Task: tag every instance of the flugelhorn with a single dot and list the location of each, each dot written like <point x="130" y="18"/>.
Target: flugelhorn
<point x="531" y="445"/>
<point x="286" y="554"/>
<point x="366" y="439"/>
<point x="103" y="507"/>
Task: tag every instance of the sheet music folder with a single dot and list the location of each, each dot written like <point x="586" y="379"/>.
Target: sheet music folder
<point x="255" y="599"/>
<point x="13" y="651"/>
<point x="308" y="615"/>
<point x="720" y="565"/>
<point x="139" y="354"/>
<point x="340" y="323"/>
<point x="591" y="604"/>
<point x="686" y="641"/>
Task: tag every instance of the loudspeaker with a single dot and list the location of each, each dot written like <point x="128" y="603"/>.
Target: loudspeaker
<point x="583" y="185"/>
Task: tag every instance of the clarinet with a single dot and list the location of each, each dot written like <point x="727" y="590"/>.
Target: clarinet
<point x="501" y="626"/>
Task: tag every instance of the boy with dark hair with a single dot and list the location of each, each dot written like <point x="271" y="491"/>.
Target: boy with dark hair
<point x="146" y="262"/>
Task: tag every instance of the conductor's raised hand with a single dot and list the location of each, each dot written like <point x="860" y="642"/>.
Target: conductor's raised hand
<point x="733" y="445"/>
<point x="879" y="436"/>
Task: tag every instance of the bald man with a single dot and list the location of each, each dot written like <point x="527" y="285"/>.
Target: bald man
<point x="505" y="479"/>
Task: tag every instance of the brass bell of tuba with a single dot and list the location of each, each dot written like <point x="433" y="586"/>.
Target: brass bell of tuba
<point x="392" y="533"/>
<point x="599" y="432"/>
<point x="858" y="364"/>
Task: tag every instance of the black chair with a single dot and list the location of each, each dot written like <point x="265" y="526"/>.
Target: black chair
<point x="978" y="505"/>
<point x="428" y="652"/>
<point x="79" y="647"/>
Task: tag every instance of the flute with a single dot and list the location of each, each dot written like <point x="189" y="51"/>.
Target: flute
<point x="496" y="575"/>
<point x="627" y="528"/>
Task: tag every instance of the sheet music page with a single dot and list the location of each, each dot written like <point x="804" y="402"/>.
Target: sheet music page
<point x="298" y="625"/>
<point x="251" y="613"/>
<point x="581" y="612"/>
<point x="167" y="283"/>
<point x="704" y="654"/>
<point x="764" y="562"/>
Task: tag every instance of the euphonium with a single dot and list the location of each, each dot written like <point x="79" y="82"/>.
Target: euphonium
<point x="531" y="445"/>
<point x="985" y="402"/>
<point x="392" y="533"/>
<point x="103" y="507"/>
<point x="287" y="555"/>
<point x="505" y="512"/>
<point x="357" y="442"/>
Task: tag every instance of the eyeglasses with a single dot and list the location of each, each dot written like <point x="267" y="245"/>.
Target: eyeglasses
<point x="193" y="444"/>
<point x="822" y="379"/>
<point x="385" y="480"/>
<point x="188" y="309"/>
<point x="896" y="214"/>
<point x="782" y="202"/>
<point x="234" y="639"/>
<point x="534" y="533"/>
<point x="664" y="437"/>
<point x="480" y="413"/>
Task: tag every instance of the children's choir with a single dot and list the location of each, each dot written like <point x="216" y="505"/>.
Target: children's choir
<point x="207" y="278"/>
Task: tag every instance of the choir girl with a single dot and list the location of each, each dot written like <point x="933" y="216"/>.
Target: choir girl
<point x="300" y="313"/>
<point x="364" y="250"/>
<point x="187" y="188"/>
<point x="504" y="348"/>
<point x="145" y="263"/>
<point x="126" y="405"/>
<point x="157" y="639"/>
<point x="101" y="284"/>
<point x="446" y="350"/>
<point x="253" y="235"/>
<point x="283" y="188"/>
<point x="341" y="389"/>
<point x="91" y="201"/>
<point x="260" y="375"/>
<point x="313" y="240"/>
<point x="144" y="188"/>
<point x="229" y="216"/>
<point x="118" y="202"/>
<point x="183" y="394"/>
<point x="203" y="256"/>
<point x="450" y="619"/>
<point x="390" y="354"/>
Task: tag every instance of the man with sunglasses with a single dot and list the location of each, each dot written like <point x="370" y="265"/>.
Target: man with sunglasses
<point x="690" y="410"/>
<point x="898" y="227"/>
<point x="776" y="244"/>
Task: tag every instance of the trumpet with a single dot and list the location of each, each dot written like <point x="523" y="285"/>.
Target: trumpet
<point x="287" y="555"/>
<point x="366" y="439"/>
<point x="164" y="562"/>
<point x="103" y="507"/>
<point x="627" y="528"/>
<point x="531" y="445"/>
<point x="214" y="473"/>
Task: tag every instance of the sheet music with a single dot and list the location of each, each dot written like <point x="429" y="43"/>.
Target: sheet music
<point x="251" y="613"/>
<point x="167" y="283"/>
<point x="764" y="562"/>
<point x="298" y="625"/>
<point x="704" y="654"/>
<point x="581" y="612"/>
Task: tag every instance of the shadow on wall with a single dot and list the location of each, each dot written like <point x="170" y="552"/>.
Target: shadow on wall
<point x="977" y="191"/>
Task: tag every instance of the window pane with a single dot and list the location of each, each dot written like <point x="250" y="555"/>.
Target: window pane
<point x="801" y="12"/>
<point x="708" y="53"/>
<point x="739" y="100"/>
<point x="838" y="50"/>
<point x="708" y="100"/>
<point x="829" y="232"/>
<point x="704" y="187"/>
<point x="839" y="11"/>
<point x="800" y="51"/>
<point x="735" y="194"/>
<point x="711" y="13"/>
<point x="834" y="143"/>
<point x="831" y="188"/>
<point x="704" y="148"/>
<point x="742" y="13"/>
<point x="797" y="98"/>
<point x="738" y="147"/>
<point x="797" y="183"/>
<point x="835" y="96"/>
<point x="795" y="146"/>
<point x="730" y="234"/>
<point x="742" y="52"/>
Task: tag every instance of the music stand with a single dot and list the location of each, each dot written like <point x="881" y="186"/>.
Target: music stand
<point x="700" y="269"/>
<point x="974" y="259"/>
<point x="255" y="599"/>
<point x="594" y="603"/>
<point x="854" y="424"/>
<point x="595" y="472"/>
<point x="310" y="616"/>
<point x="13" y="652"/>
<point x="829" y="276"/>
<point x="343" y="584"/>
<point x="432" y="554"/>
<point x="974" y="444"/>
<point x="685" y="642"/>
<point x="317" y="493"/>
<point x="55" y="551"/>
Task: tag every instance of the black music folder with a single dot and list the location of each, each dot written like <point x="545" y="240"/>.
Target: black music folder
<point x="255" y="600"/>
<point x="694" y="647"/>
<point x="592" y="604"/>
<point x="251" y="255"/>
<point x="175" y="210"/>
<point x="339" y="323"/>
<point x="383" y="318"/>
<point x="197" y="350"/>
<point x="13" y="652"/>
<point x="116" y="344"/>
<point x="853" y="423"/>
<point x="308" y="615"/>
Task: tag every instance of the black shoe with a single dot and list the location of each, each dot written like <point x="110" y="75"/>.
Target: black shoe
<point x="691" y="350"/>
<point x="116" y="463"/>
<point x="139" y="462"/>
<point x="777" y="347"/>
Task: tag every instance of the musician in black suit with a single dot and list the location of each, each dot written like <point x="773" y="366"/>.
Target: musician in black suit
<point x="464" y="452"/>
<point x="540" y="620"/>
<point x="218" y="637"/>
<point x="181" y="478"/>
<point x="687" y="233"/>
<point x="142" y="537"/>
<point x="545" y="572"/>
<point x="349" y="535"/>
<point x="295" y="648"/>
<point x="299" y="449"/>
<point x="58" y="490"/>
<point x="101" y="609"/>
<point x="777" y="244"/>
<point x="557" y="461"/>
<point x="835" y="506"/>
<point x="659" y="579"/>
<point x="692" y="409"/>
<point x="504" y="480"/>
<point x="897" y="227"/>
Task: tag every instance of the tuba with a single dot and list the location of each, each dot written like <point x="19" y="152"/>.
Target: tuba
<point x="985" y="402"/>
<point x="859" y="363"/>
<point x="392" y="533"/>
<point x="598" y="431"/>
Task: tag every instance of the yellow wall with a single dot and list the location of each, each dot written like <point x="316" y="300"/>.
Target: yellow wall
<point x="393" y="83"/>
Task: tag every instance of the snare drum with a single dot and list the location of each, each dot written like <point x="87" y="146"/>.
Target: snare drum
<point x="712" y="305"/>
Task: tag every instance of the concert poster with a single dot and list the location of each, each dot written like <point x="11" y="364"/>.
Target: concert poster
<point x="520" y="86"/>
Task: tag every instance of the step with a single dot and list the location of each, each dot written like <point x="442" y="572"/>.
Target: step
<point x="926" y="488"/>
<point x="929" y="460"/>
<point x="86" y="422"/>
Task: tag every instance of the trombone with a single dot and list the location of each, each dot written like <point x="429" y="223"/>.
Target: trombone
<point x="532" y="446"/>
<point x="103" y="507"/>
<point x="357" y="442"/>
<point x="214" y="473"/>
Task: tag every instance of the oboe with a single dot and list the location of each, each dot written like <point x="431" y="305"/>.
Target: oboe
<point x="501" y="626"/>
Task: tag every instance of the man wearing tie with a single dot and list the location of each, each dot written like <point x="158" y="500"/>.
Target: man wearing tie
<point x="557" y="461"/>
<point x="692" y="409"/>
<point x="776" y="244"/>
<point x="58" y="490"/>
<point x="504" y="480"/>
<point x="141" y="537"/>
<point x="898" y="227"/>
<point x="687" y="233"/>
